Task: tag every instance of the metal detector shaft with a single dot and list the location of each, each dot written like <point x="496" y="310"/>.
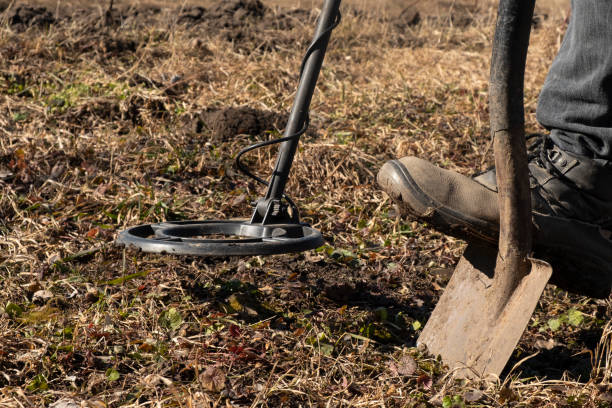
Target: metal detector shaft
<point x="299" y="113"/>
<point x="275" y="227"/>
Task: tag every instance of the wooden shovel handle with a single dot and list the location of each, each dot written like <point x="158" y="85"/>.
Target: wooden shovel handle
<point x="508" y="129"/>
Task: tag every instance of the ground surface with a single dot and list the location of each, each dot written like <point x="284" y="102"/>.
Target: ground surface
<point x="115" y="118"/>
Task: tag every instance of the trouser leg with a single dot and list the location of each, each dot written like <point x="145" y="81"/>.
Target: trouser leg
<point x="576" y="101"/>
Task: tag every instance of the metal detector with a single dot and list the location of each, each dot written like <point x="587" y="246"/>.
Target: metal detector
<point x="274" y="227"/>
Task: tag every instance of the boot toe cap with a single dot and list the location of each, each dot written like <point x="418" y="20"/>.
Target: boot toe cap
<point x="427" y="191"/>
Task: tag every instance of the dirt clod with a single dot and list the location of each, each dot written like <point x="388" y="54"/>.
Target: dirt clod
<point x="192" y="15"/>
<point x="28" y="16"/>
<point x="227" y="123"/>
<point x="239" y="9"/>
<point x="225" y="13"/>
<point x="408" y="18"/>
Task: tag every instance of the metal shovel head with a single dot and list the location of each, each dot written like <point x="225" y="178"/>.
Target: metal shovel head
<point x="464" y="330"/>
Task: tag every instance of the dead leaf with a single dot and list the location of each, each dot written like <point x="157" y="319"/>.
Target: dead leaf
<point x="605" y="397"/>
<point x="198" y="400"/>
<point x="53" y="258"/>
<point x="235" y="303"/>
<point x="425" y="381"/>
<point x="314" y="258"/>
<point x="234" y="331"/>
<point x="32" y="287"/>
<point x="554" y="388"/>
<point x="213" y="379"/>
<point x="546" y="344"/>
<point x="95" y="382"/>
<point x="42" y="296"/>
<point x="418" y="302"/>
<point x="473" y="396"/>
<point x="20" y="159"/>
<point x="238" y="200"/>
<point x="155" y="380"/>
<point x="444" y="274"/>
<point x="507" y="395"/>
<point x="406" y="366"/>
<point x="92" y="296"/>
<point x="392" y="368"/>
<point x="65" y="403"/>
<point x="94" y="404"/>
<point x="437" y="287"/>
<point x="57" y="171"/>
<point x="147" y="346"/>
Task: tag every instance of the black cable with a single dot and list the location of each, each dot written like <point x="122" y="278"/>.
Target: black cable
<point x="241" y="167"/>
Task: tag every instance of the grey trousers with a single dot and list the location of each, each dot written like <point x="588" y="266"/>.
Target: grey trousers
<point x="576" y="101"/>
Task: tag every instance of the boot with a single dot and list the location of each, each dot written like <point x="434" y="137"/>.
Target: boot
<point x="571" y="199"/>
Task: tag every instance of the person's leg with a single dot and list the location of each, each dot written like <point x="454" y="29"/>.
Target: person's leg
<point x="570" y="176"/>
<point x="576" y="101"/>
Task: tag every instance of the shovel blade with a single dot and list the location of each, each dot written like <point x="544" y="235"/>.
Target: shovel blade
<point x="463" y="329"/>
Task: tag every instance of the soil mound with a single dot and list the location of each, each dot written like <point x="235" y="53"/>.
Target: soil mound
<point x="409" y="17"/>
<point x="225" y="14"/>
<point x="238" y="10"/>
<point x="26" y="16"/>
<point x="247" y="23"/>
<point x="229" y="122"/>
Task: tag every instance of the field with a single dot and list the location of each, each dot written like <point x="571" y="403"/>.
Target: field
<point x="114" y="117"/>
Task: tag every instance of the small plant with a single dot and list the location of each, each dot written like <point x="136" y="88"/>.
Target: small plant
<point x="455" y="401"/>
<point x="572" y="317"/>
<point x="170" y="319"/>
<point x="112" y="374"/>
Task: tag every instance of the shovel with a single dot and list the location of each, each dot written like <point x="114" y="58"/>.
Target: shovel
<point x="491" y="296"/>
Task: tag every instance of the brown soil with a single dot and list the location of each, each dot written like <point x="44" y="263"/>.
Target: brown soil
<point x="245" y="23"/>
<point x="26" y="16"/>
<point x="114" y="118"/>
<point x="230" y="122"/>
<point x="227" y="14"/>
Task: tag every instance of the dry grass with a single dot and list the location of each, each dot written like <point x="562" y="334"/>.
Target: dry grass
<point x="96" y="137"/>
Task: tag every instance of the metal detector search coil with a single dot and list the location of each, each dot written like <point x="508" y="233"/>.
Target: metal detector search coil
<point x="274" y="227"/>
<point x="181" y="238"/>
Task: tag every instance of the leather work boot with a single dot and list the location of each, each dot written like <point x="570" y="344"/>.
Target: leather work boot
<point x="572" y="210"/>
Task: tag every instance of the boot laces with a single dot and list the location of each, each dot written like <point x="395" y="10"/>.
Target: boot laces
<point x="539" y="152"/>
<point x="538" y="145"/>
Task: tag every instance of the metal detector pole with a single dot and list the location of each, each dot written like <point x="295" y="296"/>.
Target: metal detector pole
<point x="275" y="227"/>
<point x="299" y="113"/>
